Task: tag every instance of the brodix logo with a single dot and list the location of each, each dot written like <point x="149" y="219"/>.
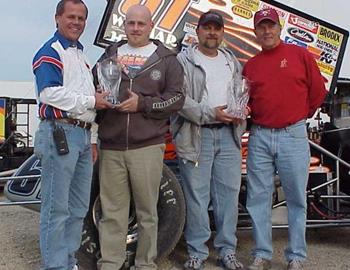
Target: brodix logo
<point x="300" y="34"/>
<point x="330" y="36"/>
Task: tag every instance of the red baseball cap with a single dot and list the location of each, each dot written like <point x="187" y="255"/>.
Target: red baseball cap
<point x="266" y="14"/>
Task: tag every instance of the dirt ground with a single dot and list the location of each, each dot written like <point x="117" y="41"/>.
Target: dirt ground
<point x="328" y="248"/>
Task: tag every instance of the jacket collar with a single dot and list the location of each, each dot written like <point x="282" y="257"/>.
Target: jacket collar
<point x="189" y="53"/>
<point x="67" y="43"/>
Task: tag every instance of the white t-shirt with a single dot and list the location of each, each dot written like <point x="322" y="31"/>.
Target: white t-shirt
<point x="218" y="76"/>
<point x="133" y="58"/>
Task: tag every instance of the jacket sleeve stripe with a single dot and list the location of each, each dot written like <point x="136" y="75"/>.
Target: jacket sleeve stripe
<point x="48" y="59"/>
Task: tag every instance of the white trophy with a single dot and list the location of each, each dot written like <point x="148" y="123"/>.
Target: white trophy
<point x="109" y="75"/>
<point x="238" y="98"/>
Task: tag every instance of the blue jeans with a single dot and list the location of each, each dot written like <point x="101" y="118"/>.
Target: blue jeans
<point x="65" y="193"/>
<point x="216" y="179"/>
<point x="287" y="152"/>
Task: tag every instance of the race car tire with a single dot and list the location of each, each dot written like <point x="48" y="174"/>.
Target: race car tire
<point x="171" y="220"/>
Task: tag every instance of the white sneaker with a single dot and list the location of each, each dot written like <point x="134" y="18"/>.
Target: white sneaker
<point x="260" y="264"/>
<point x="75" y="267"/>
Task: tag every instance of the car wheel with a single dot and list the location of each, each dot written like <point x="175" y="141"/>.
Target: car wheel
<point x="171" y="220"/>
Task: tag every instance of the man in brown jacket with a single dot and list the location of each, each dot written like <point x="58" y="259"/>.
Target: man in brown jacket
<point x="132" y="140"/>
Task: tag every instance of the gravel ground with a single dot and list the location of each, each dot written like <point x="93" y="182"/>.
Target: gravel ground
<point x="19" y="246"/>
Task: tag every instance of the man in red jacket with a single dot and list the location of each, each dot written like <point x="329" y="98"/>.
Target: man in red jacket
<point x="286" y="88"/>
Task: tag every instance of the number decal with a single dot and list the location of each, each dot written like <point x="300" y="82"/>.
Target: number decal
<point x="173" y="14"/>
<point x="169" y="18"/>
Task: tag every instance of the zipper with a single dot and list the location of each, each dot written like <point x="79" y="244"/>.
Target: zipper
<point x="196" y="164"/>
<point x="130" y="87"/>
<point x="127" y="131"/>
<point x="149" y="67"/>
<point x="128" y="121"/>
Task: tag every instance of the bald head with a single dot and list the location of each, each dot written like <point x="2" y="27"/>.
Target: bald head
<point x="139" y="10"/>
<point x="138" y="25"/>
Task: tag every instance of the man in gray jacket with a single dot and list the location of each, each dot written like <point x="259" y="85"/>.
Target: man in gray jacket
<point x="208" y="144"/>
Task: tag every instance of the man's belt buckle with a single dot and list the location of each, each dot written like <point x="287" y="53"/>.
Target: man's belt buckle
<point x="82" y="124"/>
<point x="79" y="123"/>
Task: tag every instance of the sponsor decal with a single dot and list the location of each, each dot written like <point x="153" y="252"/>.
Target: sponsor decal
<point x="325" y="68"/>
<point x="190" y="28"/>
<point x="242" y="12"/>
<point x="166" y="14"/>
<point x="303" y="23"/>
<point x="315" y="52"/>
<point x="327" y="47"/>
<point x="252" y="5"/>
<point x="330" y="36"/>
<point x="300" y="34"/>
<point x="328" y="58"/>
<point x="290" y="40"/>
<point x="156" y="75"/>
<point x="281" y="13"/>
<point x="116" y="33"/>
<point x="189" y="39"/>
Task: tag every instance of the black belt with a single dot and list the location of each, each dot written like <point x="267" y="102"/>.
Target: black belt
<point x="74" y="122"/>
<point x="216" y="125"/>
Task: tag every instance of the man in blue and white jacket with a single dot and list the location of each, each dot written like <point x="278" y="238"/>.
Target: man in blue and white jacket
<point x="67" y="101"/>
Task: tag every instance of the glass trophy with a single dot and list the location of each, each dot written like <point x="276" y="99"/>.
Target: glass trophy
<point x="109" y="76"/>
<point x="238" y="98"/>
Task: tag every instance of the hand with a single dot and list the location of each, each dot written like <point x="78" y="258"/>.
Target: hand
<point x="222" y="116"/>
<point x="238" y="121"/>
<point x="129" y="105"/>
<point x="101" y="102"/>
<point x="94" y="151"/>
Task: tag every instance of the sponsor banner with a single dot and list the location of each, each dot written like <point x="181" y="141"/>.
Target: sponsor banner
<point x="325" y="68"/>
<point x="290" y="40"/>
<point x="2" y="119"/>
<point x="176" y="22"/>
<point x="303" y="23"/>
<point x="330" y="36"/>
<point x="252" y="5"/>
